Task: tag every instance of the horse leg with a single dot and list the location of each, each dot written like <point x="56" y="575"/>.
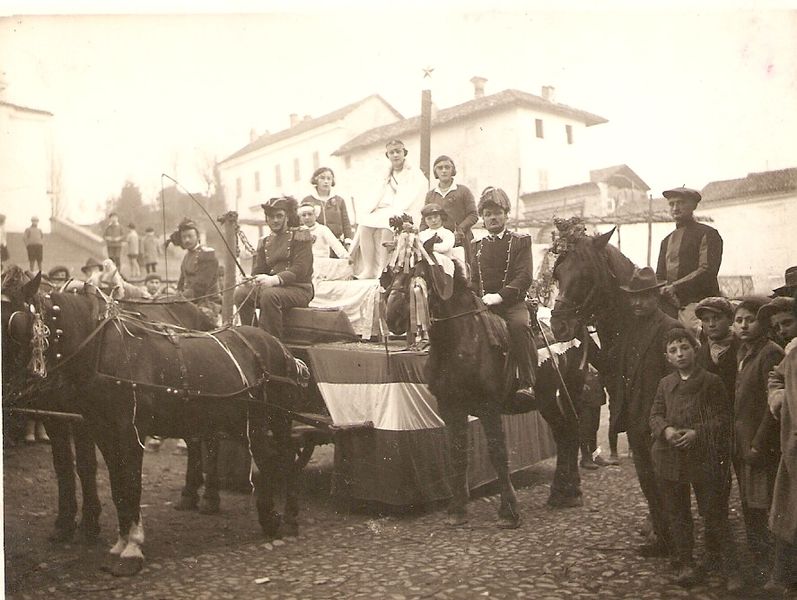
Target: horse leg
<point x="291" y="472"/>
<point x="210" y="503"/>
<point x="508" y="513"/>
<point x="86" y="462"/>
<point x="566" y="484"/>
<point x="64" y="466"/>
<point x="189" y="497"/>
<point x="457" y="428"/>
<point x="265" y="456"/>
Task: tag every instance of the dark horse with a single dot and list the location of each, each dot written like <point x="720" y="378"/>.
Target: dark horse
<point x="469" y="374"/>
<point x="137" y="377"/>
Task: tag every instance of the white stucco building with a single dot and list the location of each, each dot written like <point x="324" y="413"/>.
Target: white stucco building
<point x="26" y="162"/>
<point x="282" y="162"/>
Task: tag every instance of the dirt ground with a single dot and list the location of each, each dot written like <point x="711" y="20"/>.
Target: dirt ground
<point x="30" y="501"/>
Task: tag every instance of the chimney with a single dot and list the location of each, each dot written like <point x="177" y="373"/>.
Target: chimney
<point x="253" y="135"/>
<point x="307" y="118"/>
<point x="478" y="86"/>
<point x="549" y="93"/>
<point x="294" y="119"/>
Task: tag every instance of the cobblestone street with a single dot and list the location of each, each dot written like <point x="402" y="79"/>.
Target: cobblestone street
<point x="344" y="553"/>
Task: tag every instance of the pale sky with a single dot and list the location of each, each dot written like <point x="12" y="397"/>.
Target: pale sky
<point x="691" y="96"/>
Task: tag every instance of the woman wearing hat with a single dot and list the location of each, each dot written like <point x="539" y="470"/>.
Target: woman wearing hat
<point x="457" y="202"/>
<point x="283" y="269"/>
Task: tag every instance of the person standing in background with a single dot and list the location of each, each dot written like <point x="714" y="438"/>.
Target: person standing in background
<point x="150" y="250"/>
<point x="34" y="243"/>
<point x="133" y="250"/>
<point x="114" y="236"/>
<point x="331" y="208"/>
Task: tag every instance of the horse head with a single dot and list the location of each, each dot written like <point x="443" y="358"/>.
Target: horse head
<point x="396" y="299"/>
<point x="588" y="272"/>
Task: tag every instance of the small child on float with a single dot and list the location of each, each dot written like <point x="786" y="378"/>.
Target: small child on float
<point x="434" y="215"/>
<point x="689" y="421"/>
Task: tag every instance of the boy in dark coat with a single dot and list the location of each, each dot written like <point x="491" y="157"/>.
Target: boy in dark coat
<point x="756" y="451"/>
<point x="689" y="421"/>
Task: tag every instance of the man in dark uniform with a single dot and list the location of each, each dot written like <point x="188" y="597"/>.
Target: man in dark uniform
<point x="283" y="269"/>
<point x="689" y="258"/>
<point x="638" y="363"/>
<point x="501" y="272"/>
<point x="199" y="271"/>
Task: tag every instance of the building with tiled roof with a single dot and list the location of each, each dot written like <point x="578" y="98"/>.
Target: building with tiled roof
<point x="282" y="162"/>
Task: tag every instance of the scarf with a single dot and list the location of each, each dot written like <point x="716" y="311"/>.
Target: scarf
<point x="718" y="348"/>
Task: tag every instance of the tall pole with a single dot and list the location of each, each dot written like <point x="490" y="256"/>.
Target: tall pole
<point x="426" y="131"/>
<point x="228" y="220"/>
<point x="650" y="228"/>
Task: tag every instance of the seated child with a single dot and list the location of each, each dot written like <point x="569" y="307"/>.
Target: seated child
<point x="324" y="240"/>
<point x="433" y="216"/>
<point x="689" y="423"/>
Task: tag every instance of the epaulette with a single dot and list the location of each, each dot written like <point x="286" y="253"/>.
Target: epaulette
<point x="519" y="234"/>
<point x="302" y="235"/>
<point x="207" y="249"/>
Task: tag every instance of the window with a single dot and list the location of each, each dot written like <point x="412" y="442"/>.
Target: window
<point x="277" y="176"/>
<point x="238" y="187"/>
<point x="347" y="161"/>
<point x="257" y="181"/>
<point x="569" y="132"/>
<point x="538" y="127"/>
<point x="316" y="161"/>
<point x="543" y="179"/>
<point x="297" y="171"/>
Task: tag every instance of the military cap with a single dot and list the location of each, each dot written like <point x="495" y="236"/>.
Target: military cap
<point x="495" y="197"/>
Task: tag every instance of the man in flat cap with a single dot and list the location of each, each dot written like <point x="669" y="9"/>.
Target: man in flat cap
<point x="282" y="271"/>
<point x="501" y="272"/>
<point x="199" y="271"/>
<point x="689" y="258"/>
<point x="638" y="362"/>
<point x="403" y="190"/>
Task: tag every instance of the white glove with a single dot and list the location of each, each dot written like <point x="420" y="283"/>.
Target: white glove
<point x="267" y="280"/>
<point x="492" y="299"/>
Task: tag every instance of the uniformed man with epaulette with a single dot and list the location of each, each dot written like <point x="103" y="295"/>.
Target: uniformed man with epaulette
<point x="283" y="269"/>
<point x="501" y="273"/>
<point x="199" y="271"/>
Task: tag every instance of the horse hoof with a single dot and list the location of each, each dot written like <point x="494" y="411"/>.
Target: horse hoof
<point x="126" y="567"/>
<point x="209" y="507"/>
<point x="289" y="529"/>
<point x="60" y="536"/>
<point x="509" y="522"/>
<point x="270" y="524"/>
<point x="456" y="520"/>
<point x="566" y="501"/>
<point x="186" y="503"/>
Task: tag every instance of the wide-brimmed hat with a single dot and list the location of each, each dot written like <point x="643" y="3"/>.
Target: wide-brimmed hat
<point x="642" y="280"/>
<point x="790" y="276"/>
<point x="286" y="203"/>
<point x="683" y="192"/>
<point x="777" y="305"/>
<point x="715" y="304"/>
<point x="91" y="263"/>
<point x="151" y="276"/>
<point x="496" y="197"/>
<point x="433" y="209"/>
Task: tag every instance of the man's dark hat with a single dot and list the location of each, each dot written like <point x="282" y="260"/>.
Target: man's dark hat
<point x="91" y="262"/>
<point x="791" y="283"/>
<point x="777" y="305"/>
<point x="715" y="304"/>
<point x="496" y="197"/>
<point x="683" y="192"/>
<point x="58" y="269"/>
<point x="642" y="280"/>
<point x="433" y="209"/>
<point x="286" y="203"/>
<point x="152" y="276"/>
<point x="187" y="223"/>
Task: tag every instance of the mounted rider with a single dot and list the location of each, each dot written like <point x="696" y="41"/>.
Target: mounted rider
<point x="199" y="271"/>
<point x="501" y="273"/>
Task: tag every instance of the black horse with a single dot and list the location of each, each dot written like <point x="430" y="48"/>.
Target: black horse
<point x="136" y="377"/>
<point x="469" y="374"/>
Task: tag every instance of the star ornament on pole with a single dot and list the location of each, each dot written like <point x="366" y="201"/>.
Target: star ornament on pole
<point x="427" y="72"/>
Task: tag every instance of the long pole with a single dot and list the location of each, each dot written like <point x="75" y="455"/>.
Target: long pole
<point x="426" y="131"/>
<point x="650" y="228"/>
<point x="228" y="221"/>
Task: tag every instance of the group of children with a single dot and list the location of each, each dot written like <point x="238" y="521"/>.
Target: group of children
<point x="712" y="412"/>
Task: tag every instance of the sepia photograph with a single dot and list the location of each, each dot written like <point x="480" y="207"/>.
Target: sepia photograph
<point x="398" y="300"/>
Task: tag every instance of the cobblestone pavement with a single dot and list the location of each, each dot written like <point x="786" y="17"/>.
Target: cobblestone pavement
<point x="566" y="554"/>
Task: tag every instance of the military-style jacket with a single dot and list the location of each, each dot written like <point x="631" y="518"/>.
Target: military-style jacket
<point x="503" y="266"/>
<point x="288" y="255"/>
<point x="199" y="273"/>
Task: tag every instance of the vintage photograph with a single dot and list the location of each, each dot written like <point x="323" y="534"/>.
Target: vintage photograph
<point x="399" y="300"/>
